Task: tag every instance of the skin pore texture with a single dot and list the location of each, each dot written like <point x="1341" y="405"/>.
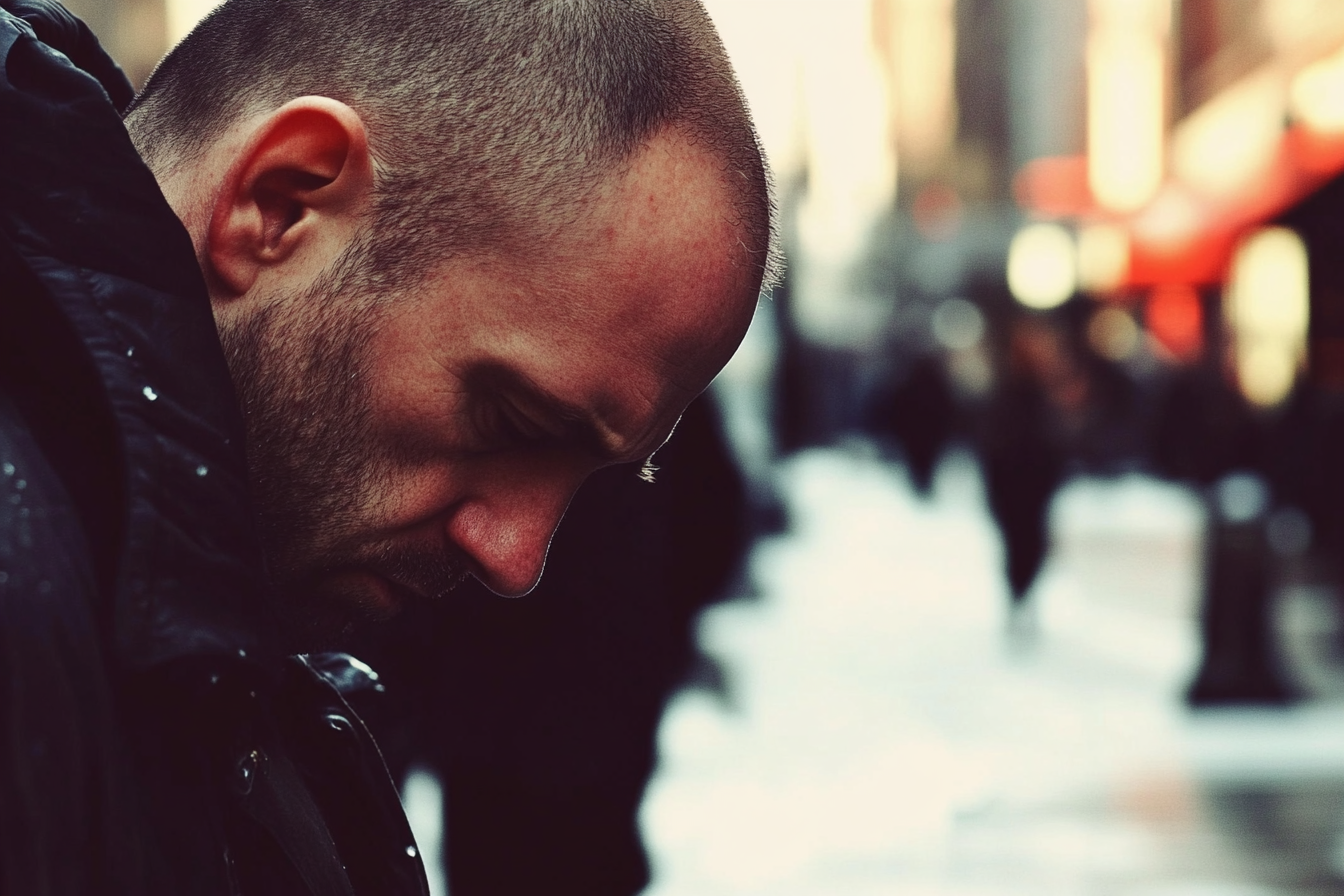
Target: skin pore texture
<point x="401" y="437"/>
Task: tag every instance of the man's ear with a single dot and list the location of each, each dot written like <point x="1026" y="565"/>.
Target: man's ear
<point x="294" y="194"/>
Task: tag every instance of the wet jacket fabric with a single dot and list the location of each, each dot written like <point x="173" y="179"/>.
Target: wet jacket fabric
<point x="152" y="738"/>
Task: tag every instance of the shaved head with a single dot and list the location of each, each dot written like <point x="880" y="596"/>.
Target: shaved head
<point x="490" y="121"/>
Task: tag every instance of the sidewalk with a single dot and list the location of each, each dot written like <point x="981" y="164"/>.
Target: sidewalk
<point x="883" y="733"/>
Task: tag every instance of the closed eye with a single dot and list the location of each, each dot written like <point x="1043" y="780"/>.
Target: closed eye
<point x="502" y="424"/>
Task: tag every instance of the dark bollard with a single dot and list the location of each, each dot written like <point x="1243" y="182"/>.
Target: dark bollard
<point x="1241" y="664"/>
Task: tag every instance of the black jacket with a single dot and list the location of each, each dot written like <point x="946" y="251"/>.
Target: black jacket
<point x="152" y="739"/>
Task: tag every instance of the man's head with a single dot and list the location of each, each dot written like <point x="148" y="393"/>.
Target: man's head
<point x="461" y="254"/>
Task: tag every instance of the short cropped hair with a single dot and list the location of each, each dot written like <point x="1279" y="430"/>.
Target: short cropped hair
<point x="489" y="120"/>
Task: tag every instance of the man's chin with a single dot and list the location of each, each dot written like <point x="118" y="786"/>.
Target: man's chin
<point x="326" y="613"/>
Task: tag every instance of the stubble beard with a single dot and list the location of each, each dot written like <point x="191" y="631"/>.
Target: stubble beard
<point x="300" y="368"/>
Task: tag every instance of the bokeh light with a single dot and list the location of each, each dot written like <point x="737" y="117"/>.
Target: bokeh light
<point x="1042" y="266"/>
<point x="1268" y="310"/>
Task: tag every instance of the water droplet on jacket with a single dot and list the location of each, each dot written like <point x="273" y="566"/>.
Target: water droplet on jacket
<point x="44" y="587"/>
<point x="8" y="468"/>
<point x="214" y="678"/>
<point x="130" y="352"/>
<point x="150" y="393"/>
<point x="15" y="499"/>
<point x="411" y="851"/>
<point x="21" y="484"/>
<point x="24" y="512"/>
<point x="246" y="772"/>
<point x="243" y="654"/>
<point x="202" y="470"/>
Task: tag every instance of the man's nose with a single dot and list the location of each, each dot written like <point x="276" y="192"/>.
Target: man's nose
<point x="508" y="533"/>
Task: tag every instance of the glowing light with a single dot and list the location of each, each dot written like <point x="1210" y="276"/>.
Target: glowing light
<point x="851" y="162"/>
<point x="1231" y="139"/>
<point x="1316" y="97"/>
<point x="1126" y="96"/>
<point x="1266" y="373"/>
<point x="1268" y="310"/>
<point x="1113" y="334"/>
<point x="1176" y="320"/>
<point x="1054" y="186"/>
<point x="1292" y="24"/>
<point x="765" y="49"/>
<point x="922" y="60"/>
<point x="1103" y="257"/>
<point x="819" y="93"/>
<point x="1042" y="268"/>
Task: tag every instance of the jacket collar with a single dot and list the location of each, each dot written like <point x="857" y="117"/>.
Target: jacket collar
<point x="89" y="220"/>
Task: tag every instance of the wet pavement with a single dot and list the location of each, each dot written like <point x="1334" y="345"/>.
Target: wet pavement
<point x="887" y="729"/>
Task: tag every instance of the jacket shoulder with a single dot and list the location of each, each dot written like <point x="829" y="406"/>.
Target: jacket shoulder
<point x="62" y="778"/>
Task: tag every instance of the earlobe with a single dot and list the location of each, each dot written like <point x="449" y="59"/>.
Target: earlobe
<point x="292" y="198"/>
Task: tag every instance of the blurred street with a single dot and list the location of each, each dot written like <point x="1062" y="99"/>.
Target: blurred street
<point x="887" y="729"/>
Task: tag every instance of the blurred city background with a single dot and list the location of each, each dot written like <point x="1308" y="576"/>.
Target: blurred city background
<point x="1005" y="556"/>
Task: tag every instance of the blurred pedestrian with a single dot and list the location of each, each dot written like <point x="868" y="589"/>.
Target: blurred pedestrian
<point x="1021" y="448"/>
<point x="917" y="411"/>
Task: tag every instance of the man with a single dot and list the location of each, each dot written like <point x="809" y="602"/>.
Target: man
<point x="459" y="255"/>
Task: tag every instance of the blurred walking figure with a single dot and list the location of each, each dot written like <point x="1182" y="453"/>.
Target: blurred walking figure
<point x="1022" y="453"/>
<point x="917" y="411"/>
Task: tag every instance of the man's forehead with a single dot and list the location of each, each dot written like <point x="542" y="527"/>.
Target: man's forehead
<point x="663" y="231"/>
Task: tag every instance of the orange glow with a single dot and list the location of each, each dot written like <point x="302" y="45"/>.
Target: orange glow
<point x="1185" y="237"/>
<point x="1054" y="187"/>
<point x="1176" y="320"/>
